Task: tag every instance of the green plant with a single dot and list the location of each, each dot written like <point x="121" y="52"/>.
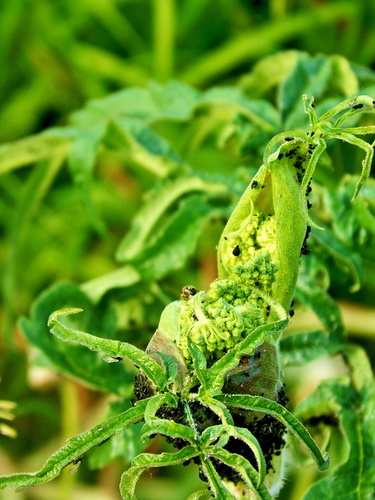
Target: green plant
<point x="68" y="53"/>
<point x="211" y="375"/>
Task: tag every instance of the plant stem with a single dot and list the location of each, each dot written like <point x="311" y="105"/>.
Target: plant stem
<point x="164" y="37"/>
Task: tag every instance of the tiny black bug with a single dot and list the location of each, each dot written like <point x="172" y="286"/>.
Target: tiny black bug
<point x="236" y="251"/>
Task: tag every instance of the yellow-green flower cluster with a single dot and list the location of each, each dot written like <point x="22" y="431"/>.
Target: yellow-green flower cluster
<point x="230" y="310"/>
<point x="255" y="237"/>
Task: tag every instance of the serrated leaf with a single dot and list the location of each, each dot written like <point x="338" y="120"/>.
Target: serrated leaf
<point x="218" y="408"/>
<point x="271" y="407"/>
<point x="354" y="222"/>
<point x="113" y="348"/>
<point x="216" y="485"/>
<point x="214" y="432"/>
<point x="245" y="470"/>
<point x="74" y="360"/>
<point x="156" y="402"/>
<point x="168" y="428"/>
<point x="197" y="495"/>
<point x="147" y="460"/>
<point x="75" y="448"/>
<point x="269" y="72"/>
<point x="124" y="445"/>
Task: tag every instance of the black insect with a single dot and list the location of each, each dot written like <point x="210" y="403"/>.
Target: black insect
<point x="254" y="184"/>
<point x="290" y="152"/>
<point x="236" y="251"/>
<point x="358" y="106"/>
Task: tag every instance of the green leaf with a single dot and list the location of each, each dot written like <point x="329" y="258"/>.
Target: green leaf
<point x="159" y="201"/>
<point x="300" y="348"/>
<point x="342" y="252"/>
<point x="73" y="360"/>
<point x="216" y="485"/>
<point x="124" y="277"/>
<point x="172" y="101"/>
<point x="271" y="407"/>
<point x="199" y="362"/>
<point x="245" y="470"/>
<point x="148" y="460"/>
<point x="156" y="402"/>
<point x="168" y="428"/>
<point x="215" y="374"/>
<point x="81" y="162"/>
<point x="169" y="364"/>
<point x="176" y="243"/>
<point x="260" y="112"/>
<point x="142" y="146"/>
<point x="343" y="76"/>
<point x="218" y="408"/>
<point x="34" y="149"/>
<point x="124" y="445"/>
<point x="113" y="348"/>
<point x="199" y="494"/>
<point x="354" y="222"/>
<point x="75" y="448"/>
<point x="212" y="433"/>
<point x="310" y="76"/>
<point x="352" y="399"/>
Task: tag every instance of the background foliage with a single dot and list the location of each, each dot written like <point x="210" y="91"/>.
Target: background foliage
<point x="73" y="207"/>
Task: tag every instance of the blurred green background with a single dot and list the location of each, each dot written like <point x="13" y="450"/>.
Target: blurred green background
<point x="55" y="55"/>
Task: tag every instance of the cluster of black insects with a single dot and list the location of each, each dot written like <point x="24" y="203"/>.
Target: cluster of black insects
<point x="268" y="430"/>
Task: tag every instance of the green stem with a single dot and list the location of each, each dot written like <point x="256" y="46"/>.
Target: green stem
<point x="164" y="37"/>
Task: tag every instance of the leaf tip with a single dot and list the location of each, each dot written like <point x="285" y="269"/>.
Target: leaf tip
<point x="62" y="312"/>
